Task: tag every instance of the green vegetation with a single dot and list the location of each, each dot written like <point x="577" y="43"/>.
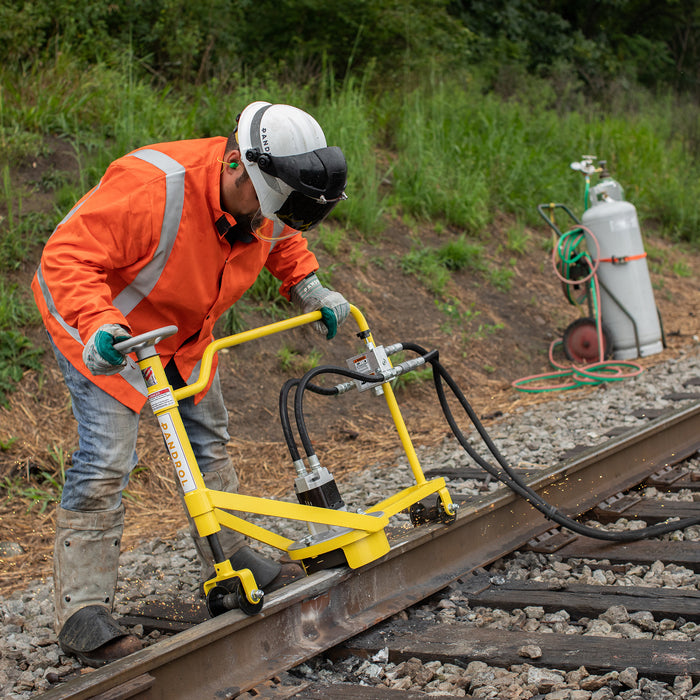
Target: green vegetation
<point x="681" y="269"/>
<point x="27" y="491"/>
<point x="40" y="486"/>
<point x="297" y="363"/>
<point x="433" y="266"/>
<point x="6" y="444"/>
<point x="17" y="355"/>
<point x="416" y="376"/>
<point x="449" y="112"/>
<point x="464" y="322"/>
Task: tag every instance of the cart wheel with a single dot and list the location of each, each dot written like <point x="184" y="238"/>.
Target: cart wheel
<point x="418" y="514"/>
<point x="244" y="604"/>
<point x="220" y="600"/>
<point x="580" y="342"/>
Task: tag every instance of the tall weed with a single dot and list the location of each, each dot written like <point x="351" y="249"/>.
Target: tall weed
<point x="346" y="113"/>
<point x="437" y="174"/>
<point x="439" y="148"/>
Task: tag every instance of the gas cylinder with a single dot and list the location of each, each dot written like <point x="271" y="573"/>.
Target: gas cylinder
<point x="627" y="304"/>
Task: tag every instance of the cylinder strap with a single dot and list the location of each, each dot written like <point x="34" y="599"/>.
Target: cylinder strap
<point x="625" y="258"/>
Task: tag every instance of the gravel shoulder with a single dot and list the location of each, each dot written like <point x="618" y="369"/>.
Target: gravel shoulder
<point x="541" y="434"/>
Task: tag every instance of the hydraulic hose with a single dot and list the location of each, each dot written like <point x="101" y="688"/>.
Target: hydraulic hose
<point x="304" y="385"/>
<point x="284" y="411"/>
<point x="516" y="484"/>
<point x="284" y="419"/>
<point x="504" y="474"/>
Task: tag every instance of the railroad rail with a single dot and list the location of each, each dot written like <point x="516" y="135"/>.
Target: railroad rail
<point x="228" y="655"/>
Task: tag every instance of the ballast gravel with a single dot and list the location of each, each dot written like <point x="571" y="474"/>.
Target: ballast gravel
<point x="31" y="661"/>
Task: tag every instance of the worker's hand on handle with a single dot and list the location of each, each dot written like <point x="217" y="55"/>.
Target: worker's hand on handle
<point x="99" y="354"/>
<point x="310" y="295"/>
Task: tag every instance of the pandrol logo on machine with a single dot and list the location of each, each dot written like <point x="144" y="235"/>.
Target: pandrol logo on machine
<point x="177" y="453"/>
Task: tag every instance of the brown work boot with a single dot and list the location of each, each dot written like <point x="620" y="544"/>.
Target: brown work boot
<point x="116" y="649"/>
<point x="93" y="636"/>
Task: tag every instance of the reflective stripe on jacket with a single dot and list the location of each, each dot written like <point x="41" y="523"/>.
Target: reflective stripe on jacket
<point x="146" y="248"/>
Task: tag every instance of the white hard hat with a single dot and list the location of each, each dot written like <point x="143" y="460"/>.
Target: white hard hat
<point x="297" y="178"/>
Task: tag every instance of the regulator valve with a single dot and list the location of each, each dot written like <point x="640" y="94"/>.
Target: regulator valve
<point x="373" y="361"/>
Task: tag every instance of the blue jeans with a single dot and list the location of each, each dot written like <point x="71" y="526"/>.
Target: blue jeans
<point x="107" y="433"/>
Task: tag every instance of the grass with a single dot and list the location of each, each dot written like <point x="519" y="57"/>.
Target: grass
<point x="449" y="153"/>
<point x="427" y="268"/>
<point x="438" y="149"/>
<point x="7" y="444"/>
<point x="463" y="322"/>
<point x="38" y="488"/>
<point x="416" y="376"/>
<point x="293" y="362"/>
<point x="15" y="308"/>
<point x="518" y="239"/>
<point x="330" y="238"/>
<point x="682" y="269"/>
<point x="30" y="493"/>
<point x="17" y="355"/>
<point x="433" y="266"/>
<point x="435" y="174"/>
<point x="461" y="254"/>
<point x="346" y="113"/>
<point x="20" y="231"/>
<point x="500" y="277"/>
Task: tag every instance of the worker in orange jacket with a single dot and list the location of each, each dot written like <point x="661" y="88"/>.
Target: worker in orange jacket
<point x="173" y="234"/>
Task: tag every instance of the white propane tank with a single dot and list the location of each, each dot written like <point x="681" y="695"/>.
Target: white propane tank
<point x="623" y="271"/>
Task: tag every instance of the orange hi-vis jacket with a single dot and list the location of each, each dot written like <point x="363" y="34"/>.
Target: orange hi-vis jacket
<point x="147" y="248"/>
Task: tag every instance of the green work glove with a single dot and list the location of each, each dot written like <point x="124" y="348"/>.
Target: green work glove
<point x="99" y="354"/>
<point x="311" y="295"/>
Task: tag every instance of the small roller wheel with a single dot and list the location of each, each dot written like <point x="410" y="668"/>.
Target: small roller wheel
<point x="580" y="342"/>
<point x="220" y="600"/>
<point x="418" y="514"/>
<point x="244" y="604"/>
<point x="421" y="514"/>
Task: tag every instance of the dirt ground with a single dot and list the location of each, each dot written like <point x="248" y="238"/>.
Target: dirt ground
<point x="500" y="336"/>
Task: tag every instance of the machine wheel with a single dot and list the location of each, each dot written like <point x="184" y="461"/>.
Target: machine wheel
<point x="580" y="341"/>
<point x="220" y="600"/>
<point x="244" y="604"/>
<point x="445" y="518"/>
<point x="418" y="514"/>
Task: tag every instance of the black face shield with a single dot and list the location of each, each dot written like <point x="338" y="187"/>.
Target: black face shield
<point x="317" y="179"/>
